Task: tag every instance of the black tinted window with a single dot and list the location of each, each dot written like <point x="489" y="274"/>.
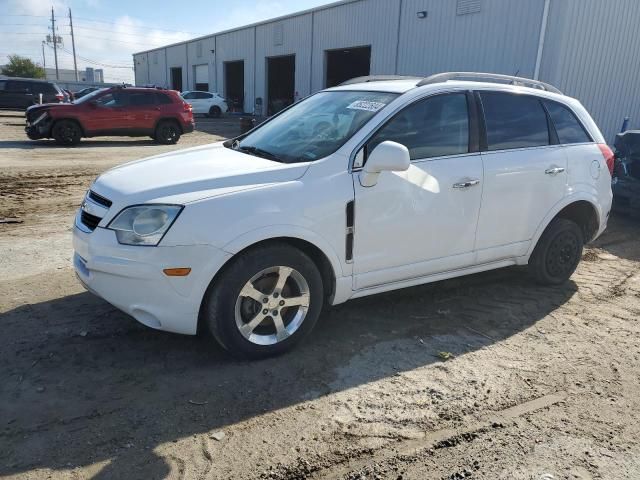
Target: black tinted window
<point x="141" y="99"/>
<point x="203" y="95"/>
<point x="189" y="96"/>
<point x="17" y="86"/>
<point x="429" y="128"/>
<point x="567" y="126"/>
<point x="514" y="121"/>
<point x="37" y="88"/>
<point x="162" y="99"/>
<point x="3" y="84"/>
<point x="113" y="99"/>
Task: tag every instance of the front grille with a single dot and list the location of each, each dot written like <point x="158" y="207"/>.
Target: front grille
<point x="99" y="199"/>
<point x="90" y="221"/>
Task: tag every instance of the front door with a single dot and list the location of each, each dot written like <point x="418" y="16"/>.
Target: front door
<point x="422" y="221"/>
<point x="524" y="174"/>
<point x="109" y="113"/>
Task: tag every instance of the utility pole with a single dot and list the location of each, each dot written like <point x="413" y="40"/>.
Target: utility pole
<point x="44" y="59"/>
<point x="55" y="42"/>
<point x="73" y="45"/>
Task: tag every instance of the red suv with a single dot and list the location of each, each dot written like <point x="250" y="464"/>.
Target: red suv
<point x="133" y="112"/>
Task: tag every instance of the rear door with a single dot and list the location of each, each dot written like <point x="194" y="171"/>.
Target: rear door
<point x="18" y="94"/>
<point x="524" y="173"/>
<point x="143" y="111"/>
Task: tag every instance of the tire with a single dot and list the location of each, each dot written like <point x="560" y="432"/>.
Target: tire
<point x="66" y="132"/>
<point x="167" y="133"/>
<point x="214" y="112"/>
<point x="229" y="310"/>
<point x="557" y="253"/>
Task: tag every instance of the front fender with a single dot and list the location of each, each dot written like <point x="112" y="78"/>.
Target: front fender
<point x="287" y="231"/>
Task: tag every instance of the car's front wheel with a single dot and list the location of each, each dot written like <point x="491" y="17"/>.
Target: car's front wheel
<point x="557" y="252"/>
<point x="66" y="132"/>
<point x="265" y="302"/>
<point x="167" y="133"/>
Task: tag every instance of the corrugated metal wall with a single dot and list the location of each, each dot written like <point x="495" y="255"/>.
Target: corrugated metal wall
<point x="502" y="37"/>
<point x="371" y="22"/>
<point x="592" y="52"/>
<point x="237" y="45"/>
<point x="289" y="37"/>
<point x="199" y="53"/>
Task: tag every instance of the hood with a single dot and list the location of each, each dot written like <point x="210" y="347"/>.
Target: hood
<point x="190" y="175"/>
<point x="46" y="106"/>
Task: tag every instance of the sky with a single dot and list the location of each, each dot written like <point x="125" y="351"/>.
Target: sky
<point x="107" y="32"/>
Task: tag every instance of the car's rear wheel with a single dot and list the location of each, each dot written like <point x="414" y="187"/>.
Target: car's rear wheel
<point x="214" y="112"/>
<point x="66" y="132"/>
<point x="265" y="302"/>
<point x="557" y="253"/>
<point x="167" y="133"/>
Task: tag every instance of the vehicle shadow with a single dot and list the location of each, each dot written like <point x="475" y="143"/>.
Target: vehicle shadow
<point x="82" y="383"/>
<point x="621" y="237"/>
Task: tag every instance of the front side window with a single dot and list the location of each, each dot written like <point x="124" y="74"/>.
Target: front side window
<point x="434" y="127"/>
<point x="566" y="124"/>
<point x="316" y="127"/>
<point x="514" y="121"/>
<point x="113" y="99"/>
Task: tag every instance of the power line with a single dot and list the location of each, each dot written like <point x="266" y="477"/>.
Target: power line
<point x="168" y="36"/>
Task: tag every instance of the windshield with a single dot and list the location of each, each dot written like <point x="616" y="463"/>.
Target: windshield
<point x="315" y="127"/>
<point x="89" y="96"/>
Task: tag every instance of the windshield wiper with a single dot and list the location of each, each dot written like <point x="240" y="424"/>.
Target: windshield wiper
<point x="258" y="152"/>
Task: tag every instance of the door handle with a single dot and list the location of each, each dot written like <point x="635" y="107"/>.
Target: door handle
<point x="554" y="170"/>
<point x="467" y="184"/>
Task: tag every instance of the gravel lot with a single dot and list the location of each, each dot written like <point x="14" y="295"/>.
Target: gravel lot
<point x="541" y="383"/>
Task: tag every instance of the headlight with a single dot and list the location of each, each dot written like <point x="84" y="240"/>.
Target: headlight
<point x="144" y="224"/>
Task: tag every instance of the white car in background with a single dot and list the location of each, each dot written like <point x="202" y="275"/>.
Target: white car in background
<point x="207" y="103"/>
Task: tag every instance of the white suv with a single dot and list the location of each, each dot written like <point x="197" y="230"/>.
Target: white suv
<point x="206" y="103"/>
<point x="356" y="190"/>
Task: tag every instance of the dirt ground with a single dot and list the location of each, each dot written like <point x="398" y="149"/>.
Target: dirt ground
<point x="539" y="384"/>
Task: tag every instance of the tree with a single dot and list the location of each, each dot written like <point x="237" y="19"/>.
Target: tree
<point x="22" y="67"/>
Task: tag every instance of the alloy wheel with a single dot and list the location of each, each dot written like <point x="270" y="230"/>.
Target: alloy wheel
<point x="272" y="305"/>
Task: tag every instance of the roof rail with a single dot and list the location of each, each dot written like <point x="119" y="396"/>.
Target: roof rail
<point x="377" y="78"/>
<point x="493" y="77"/>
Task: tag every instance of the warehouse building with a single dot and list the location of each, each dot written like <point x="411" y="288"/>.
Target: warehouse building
<point x="589" y="49"/>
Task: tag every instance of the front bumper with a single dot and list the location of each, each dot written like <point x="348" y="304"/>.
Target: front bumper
<point x="131" y="278"/>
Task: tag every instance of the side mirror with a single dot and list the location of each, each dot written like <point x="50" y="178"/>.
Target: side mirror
<point x="388" y="156"/>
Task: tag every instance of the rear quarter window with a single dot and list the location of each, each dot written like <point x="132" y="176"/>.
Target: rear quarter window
<point x="567" y="125"/>
<point x="514" y="121"/>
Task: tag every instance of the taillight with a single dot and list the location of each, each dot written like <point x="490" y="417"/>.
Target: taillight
<point x="187" y="107"/>
<point x="608" y="155"/>
<point x="60" y="97"/>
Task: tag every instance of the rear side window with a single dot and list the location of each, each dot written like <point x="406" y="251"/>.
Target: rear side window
<point x="434" y="127"/>
<point x="141" y="99"/>
<point x="567" y="126"/>
<point x="163" y="99"/>
<point x="203" y="95"/>
<point x="514" y="121"/>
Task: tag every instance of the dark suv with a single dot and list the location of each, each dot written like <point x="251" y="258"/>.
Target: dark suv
<point x="118" y="111"/>
<point x="21" y="93"/>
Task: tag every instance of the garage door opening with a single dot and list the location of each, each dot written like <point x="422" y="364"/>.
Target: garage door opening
<point x="281" y="78"/>
<point x="234" y="85"/>
<point x="347" y="63"/>
<point x="201" y="75"/>
<point x="176" y="78"/>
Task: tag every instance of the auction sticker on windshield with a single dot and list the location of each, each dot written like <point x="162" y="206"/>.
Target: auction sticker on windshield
<point x="366" y="105"/>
